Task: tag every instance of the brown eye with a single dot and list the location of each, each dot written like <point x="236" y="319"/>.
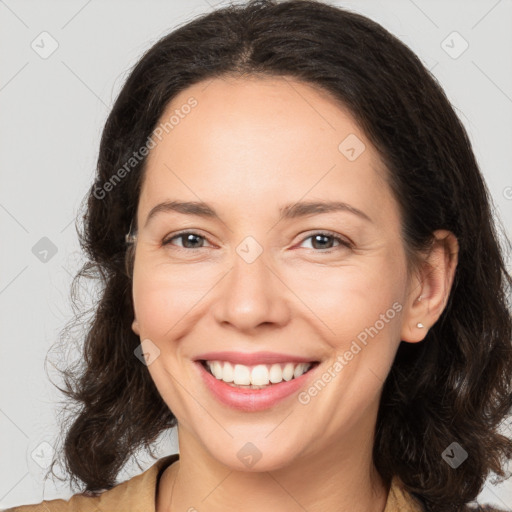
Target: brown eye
<point x="324" y="241"/>
<point x="189" y="239"/>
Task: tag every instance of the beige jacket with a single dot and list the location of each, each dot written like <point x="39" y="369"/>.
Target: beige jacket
<point x="138" y="494"/>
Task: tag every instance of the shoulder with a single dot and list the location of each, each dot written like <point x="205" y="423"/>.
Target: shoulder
<point x="138" y="492"/>
<point x="75" y="504"/>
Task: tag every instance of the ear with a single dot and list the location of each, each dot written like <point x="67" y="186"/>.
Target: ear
<point x="135" y="327"/>
<point x="429" y="289"/>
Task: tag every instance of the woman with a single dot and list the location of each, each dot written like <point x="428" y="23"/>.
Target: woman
<point x="310" y="286"/>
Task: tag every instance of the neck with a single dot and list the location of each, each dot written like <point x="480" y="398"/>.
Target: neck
<point x="337" y="480"/>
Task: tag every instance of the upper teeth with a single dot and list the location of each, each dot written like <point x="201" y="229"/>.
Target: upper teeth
<point x="259" y="375"/>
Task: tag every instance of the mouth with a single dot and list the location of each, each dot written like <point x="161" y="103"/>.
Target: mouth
<point x="256" y="376"/>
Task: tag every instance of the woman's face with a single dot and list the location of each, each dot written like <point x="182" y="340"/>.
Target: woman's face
<point x="267" y="280"/>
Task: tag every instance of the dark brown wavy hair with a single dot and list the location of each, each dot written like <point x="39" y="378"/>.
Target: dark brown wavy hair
<point x="455" y="386"/>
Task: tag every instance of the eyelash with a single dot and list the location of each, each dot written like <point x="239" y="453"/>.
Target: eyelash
<point x="342" y="242"/>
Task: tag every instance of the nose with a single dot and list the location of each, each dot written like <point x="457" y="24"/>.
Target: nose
<point x="252" y="295"/>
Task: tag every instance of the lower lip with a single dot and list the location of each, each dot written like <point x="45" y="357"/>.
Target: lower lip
<point x="250" y="400"/>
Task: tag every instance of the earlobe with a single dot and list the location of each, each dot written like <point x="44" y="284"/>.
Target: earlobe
<point x="415" y="328"/>
<point x="135" y="327"/>
<point x="431" y="289"/>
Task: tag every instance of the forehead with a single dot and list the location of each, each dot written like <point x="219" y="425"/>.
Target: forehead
<point x="241" y="107"/>
<point x="266" y="135"/>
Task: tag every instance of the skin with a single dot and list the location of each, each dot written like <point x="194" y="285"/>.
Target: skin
<point x="250" y="146"/>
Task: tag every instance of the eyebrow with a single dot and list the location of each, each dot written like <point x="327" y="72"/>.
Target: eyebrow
<point x="290" y="211"/>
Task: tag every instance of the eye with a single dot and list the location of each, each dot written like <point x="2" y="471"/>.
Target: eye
<point x="189" y="238"/>
<point x="321" y="239"/>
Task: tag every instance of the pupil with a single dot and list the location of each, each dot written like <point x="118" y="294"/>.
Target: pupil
<point x="317" y="237"/>
<point x="190" y="238"/>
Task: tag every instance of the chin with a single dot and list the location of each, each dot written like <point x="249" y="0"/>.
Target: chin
<point x="255" y="456"/>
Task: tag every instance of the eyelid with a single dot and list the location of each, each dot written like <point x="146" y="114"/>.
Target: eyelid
<point x="172" y="236"/>
<point x="343" y="241"/>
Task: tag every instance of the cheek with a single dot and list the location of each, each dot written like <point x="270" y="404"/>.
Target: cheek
<point x="347" y="301"/>
<point x="152" y="305"/>
<point x="165" y="297"/>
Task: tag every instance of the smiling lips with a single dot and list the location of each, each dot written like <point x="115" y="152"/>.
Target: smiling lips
<point x="253" y="382"/>
<point x="254" y="369"/>
<point x="259" y="375"/>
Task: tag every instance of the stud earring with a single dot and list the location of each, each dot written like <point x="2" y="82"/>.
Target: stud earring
<point x="420" y="325"/>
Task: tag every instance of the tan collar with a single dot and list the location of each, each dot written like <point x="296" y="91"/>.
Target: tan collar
<point x="400" y="500"/>
<point x="139" y="493"/>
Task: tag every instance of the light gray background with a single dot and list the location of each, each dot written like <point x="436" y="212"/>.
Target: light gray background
<point x="53" y="110"/>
